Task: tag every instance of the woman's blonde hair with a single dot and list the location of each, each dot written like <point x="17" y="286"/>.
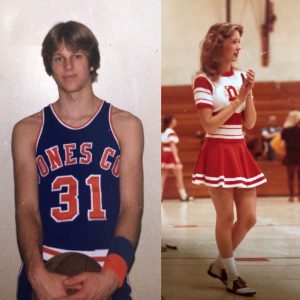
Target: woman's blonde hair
<point x="212" y="48"/>
<point x="292" y="119"/>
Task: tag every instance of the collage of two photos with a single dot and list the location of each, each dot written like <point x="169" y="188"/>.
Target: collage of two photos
<point x="150" y="150"/>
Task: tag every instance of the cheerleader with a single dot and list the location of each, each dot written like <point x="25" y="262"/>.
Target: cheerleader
<point x="224" y="102"/>
<point x="169" y="157"/>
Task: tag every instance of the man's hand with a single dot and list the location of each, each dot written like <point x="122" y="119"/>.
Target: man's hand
<point x="94" y="286"/>
<point x="49" y="286"/>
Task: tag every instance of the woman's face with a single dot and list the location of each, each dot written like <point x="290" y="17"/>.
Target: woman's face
<point x="173" y="123"/>
<point x="232" y="47"/>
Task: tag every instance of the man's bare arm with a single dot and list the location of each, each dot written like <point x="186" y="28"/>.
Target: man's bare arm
<point x="129" y="131"/>
<point x="28" y="222"/>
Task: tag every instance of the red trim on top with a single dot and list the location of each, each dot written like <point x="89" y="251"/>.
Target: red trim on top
<point x="228" y="73"/>
<point x="78" y="127"/>
<point x="203" y="105"/>
<point x="40" y="131"/>
<point x="235" y="119"/>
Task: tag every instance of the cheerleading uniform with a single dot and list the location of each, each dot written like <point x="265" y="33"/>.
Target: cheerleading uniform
<point x="79" y="194"/>
<point x="224" y="160"/>
<point x="168" y="160"/>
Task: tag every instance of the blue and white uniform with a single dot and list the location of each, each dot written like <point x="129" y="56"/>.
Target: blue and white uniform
<point x="79" y="195"/>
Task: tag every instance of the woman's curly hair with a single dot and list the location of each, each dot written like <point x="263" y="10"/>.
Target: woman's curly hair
<point x="212" y="48"/>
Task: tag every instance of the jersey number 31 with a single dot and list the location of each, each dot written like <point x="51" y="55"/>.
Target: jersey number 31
<point x="70" y="199"/>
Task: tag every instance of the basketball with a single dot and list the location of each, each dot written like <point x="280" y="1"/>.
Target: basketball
<point x="71" y="264"/>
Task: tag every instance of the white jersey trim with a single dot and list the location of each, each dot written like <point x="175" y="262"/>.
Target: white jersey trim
<point x="80" y="127"/>
<point x="204" y="101"/>
<point x="40" y="132"/>
<point x="226" y="137"/>
<point x="98" y="254"/>
<point x="227" y="132"/>
<point x="111" y="126"/>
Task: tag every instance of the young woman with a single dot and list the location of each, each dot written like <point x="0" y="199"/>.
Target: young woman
<point x="169" y="159"/>
<point x="291" y="137"/>
<point x="224" y="102"/>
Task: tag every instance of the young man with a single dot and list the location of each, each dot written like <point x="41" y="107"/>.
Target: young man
<point x="78" y="177"/>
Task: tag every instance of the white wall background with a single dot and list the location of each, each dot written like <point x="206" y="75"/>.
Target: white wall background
<point x="128" y="32"/>
<point x="185" y="23"/>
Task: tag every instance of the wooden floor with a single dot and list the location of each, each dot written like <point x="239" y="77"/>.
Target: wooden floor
<point x="269" y="257"/>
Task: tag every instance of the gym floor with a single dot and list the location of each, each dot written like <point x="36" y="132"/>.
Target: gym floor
<point x="268" y="259"/>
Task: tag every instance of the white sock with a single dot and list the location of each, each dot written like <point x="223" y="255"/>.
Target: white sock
<point x="231" y="268"/>
<point x="182" y="193"/>
<point x="218" y="262"/>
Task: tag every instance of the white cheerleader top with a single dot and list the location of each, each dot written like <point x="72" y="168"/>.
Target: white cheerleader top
<point x="167" y="137"/>
<point x="217" y="95"/>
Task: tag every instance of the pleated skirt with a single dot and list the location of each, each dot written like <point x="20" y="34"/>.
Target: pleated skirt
<point x="228" y="164"/>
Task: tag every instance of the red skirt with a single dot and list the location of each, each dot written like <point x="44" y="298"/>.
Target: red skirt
<point x="227" y="164"/>
<point x="168" y="160"/>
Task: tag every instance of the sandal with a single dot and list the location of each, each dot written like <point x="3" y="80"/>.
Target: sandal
<point x="239" y="287"/>
<point x="223" y="276"/>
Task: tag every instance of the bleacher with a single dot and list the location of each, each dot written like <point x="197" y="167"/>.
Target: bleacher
<point x="271" y="98"/>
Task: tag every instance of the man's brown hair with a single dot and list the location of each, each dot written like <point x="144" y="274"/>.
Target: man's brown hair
<point x="74" y="36"/>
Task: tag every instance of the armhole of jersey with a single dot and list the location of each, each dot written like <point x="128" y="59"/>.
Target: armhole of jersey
<point x="111" y="125"/>
<point x="40" y="131"/>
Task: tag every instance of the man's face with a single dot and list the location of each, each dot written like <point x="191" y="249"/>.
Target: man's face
<point x="70" y="70"/>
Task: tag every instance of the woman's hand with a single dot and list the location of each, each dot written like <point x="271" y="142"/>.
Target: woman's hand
<point x="248" y="83"/>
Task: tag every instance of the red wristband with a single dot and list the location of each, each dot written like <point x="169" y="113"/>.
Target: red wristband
<point x="118" y="265"/>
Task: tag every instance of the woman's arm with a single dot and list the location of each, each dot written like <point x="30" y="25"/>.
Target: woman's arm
<point x="249" y="115"/>
<point x="211" y="122"/>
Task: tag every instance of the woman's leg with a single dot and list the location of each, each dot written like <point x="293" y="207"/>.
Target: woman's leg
<point x="179" y="182"/>
<point x="229" y="235"/>
<point x="291" y="177"/>
<point x="164" y="175"/>
<point x="245" y="202"/>
<point x="179" y="176"/>
<point x="223" y="203"/>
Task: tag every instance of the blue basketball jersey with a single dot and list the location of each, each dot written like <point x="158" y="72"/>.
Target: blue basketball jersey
<point x="79" y="196"/>
<point x="78" y="170"/>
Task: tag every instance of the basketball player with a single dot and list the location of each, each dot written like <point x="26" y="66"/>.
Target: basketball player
<point x="78" y="177"/>
<point x="224" y="101"/>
